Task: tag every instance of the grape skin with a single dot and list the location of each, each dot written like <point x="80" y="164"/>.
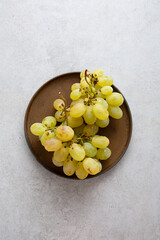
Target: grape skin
<point x="105" y="81"/>
<point x="59" y="104"/>
<point x="100" y="111"/>
<point x="115" y="99"/>
<point x="115" y="112"/>
<point x="38" y="129"/>
<point x="74" y="122"/>
<point x="62" y="154"/>
<point x="69" y="167"/>
<point x="102" y="123"/>
<point x="49" y="122"/>
<point x="107" y="90"/>
<point x="75" y="86"/>
<point x="92" y="166"/>
<point x="60" y="116"/>
<point x="88" y="116"/>
<point x="100" y="141"/>
<point x="57" y="164"/>
<point x="77" y="110"/>
<point x="80" y="171"/>
<point x="47" y="135"/>
<point x="64" y="133"/>
<point x="77" y="152"/>
<point x="90" y="150"/>
<point x="75" y="94"/>
<point x="98" y="73"/>
<point x="90" y="130"/>
<point x="52" y="144"/>
<point x="103" y="153"/>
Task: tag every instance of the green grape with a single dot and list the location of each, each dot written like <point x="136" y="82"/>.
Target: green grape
<point x="102" y="123"/>
<point x="100" y="111"/>
<point x="115" y="112"/>
<point x="88" y="116"/>
<point x="57" y="164"/>
<point x="101" y="101"/>
<point x="75" y="94"/>
<point x="52" y="144"/>
<point x="80" y="100"/>
<point x="46" y="135"/>
<point x="92" y="166"/>
<point x="89" y="149"/>
<point x="99" y="94"/>
<point x="84" y="83"/>
<point x="74" y="122"/>
<point x="75" y="86"/>
<point x="78" y="110"/>
<point x="100" y="141"/>
<point x="49" y="122"/>
<point x="37" y="129"/>
<point x="64" y="133"/>
<point x="115" y="99"/>
<point x="69" y="167"/>
<point x="90" y="130"/>
<point x="98" y="73"/>
<point x="107" y="90"/>
<point x="80" y="171"/>
<point x="105" y="81"/>
<point x="59" y="104"/>
<point x="88" y="74"/>
<point x="103" y="153"/>
<point x="62" y="154"/>
<point x="77" y="152"/>
<point x="79" y="130"/>
<point x="60" y="116"/>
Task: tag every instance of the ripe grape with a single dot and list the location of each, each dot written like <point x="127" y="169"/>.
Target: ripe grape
<point x="78" y="110"/>
<point x="60" y="116"/>
<point x="115" y="99"/>
<point x="89" y="117"/>
<point x="100" y="141"/>
<point x="37" y="129"/>
<point x="90" y="130"/>
<point x="80" y="100"/>
<point x="100" y="111"/>
<point x="46" y="135"/>
<point x="79" y="130"/>
<point x="103" y="153"/>
<point x="107" y="90"/>
<point x="69" y="167"/>
<point x="52" y="144"/>
<point x="102" y="123"/>
<point x="84" y="83"/>
<point x="115" y="112"/>
<point x="57" y="164"/>
<point x="62" y="154"/>
<point x="64" y="133"/>
<point x="59" y="104"/>
<point x="90" y="150"/>
<point x="98" y="73"/>
<point x="80" y="171"/>
<point x="49" y="122"/>
<point x="105" y="81"/>
<point x="75" y="94"/>
<point x="75" y="86"/>
<point x="74" y="122"/>
<point x="77" y="152"/>
<point x="99" y="94"/>
<point x="92" y="166"/>
<point x="101" y="101"/>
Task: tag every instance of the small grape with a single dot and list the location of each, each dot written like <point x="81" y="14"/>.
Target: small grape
<point x="80" y="171"/>
<point x="74" y="122"/>
<point x="102" y="123"/>
<point x="37" y="129"/>
<point x="90" y="130"/>
<point x="98" y="73"/>
<point x="100" y="111"/>
<point x="115" y="112"/>
<point x="103" y="153"/>
<point x="100" y="141"/>
<point x="52" y="144"/>
<point x="84" y="83"/>
<point x="105" y="81"/>
<point x="80" y="100"/>
<point x="78" y="110"/>
<point x="92" y="166"/>
<point x="101" y="101"/>
<point x="89" y="117"/>
<point x="107" y="90"/>
<point x="69" y="167"/>
<point x="75" y="94"/>
<point x="75" y="86"/>
<point x="115" y="99"/>
<point x="89" y="149"/>
<point x="46" y="135"/>
<point x="64" y="133"/>
<point x="49" y="121"/>
<point x="62" y="154"/>
<point x="79" y="130"/>
<point x="77" y="152"/>
<point x="57" y="164"/>
<point x="60" y="116"/>
<point x="59" y="104"/>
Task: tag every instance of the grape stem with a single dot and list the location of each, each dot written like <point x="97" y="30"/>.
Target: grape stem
<point x="65" y="107"/>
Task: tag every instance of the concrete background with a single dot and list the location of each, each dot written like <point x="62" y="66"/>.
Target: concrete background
<point x="41" y="39"/>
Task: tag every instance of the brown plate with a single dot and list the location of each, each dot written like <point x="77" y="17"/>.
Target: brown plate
<point x="41" y="105"/>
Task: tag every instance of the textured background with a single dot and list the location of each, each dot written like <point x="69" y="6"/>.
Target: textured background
<point x="43" y="38"/>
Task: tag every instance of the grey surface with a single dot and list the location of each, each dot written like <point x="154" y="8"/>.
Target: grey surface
<point x="41" y="39"/>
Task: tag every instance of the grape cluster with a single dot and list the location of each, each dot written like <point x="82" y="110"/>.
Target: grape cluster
<point x="72" y="132"/>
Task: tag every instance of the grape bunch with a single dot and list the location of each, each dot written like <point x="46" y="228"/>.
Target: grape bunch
<point x="72" y="133"/>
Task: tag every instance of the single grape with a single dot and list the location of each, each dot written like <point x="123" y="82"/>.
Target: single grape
<point x="99" y="94"/>
<point x="100" y="111"/>
<point x="115" y="99"/>
<point x="75" y="94"/>
<point x="80" y="100"/>
<point x="49" y="122"/>
<point x="62" y="154"/>
<point x="102" y="123"/>
<point x="90" y="130"/>
<point x="74" y="122"/>
<point x="64" y="133"/>
<point x="103" y="153"/>
<point x="46" y="135"/>
<point x="88" y="116"/>
<point x="92" y="166"/>
<point x="59" y="104"/>
<point x="78" y="110"/>
<point x="75" y="86"/>
<point x="105" y="81"/>
<point x="60" y="116"/>
<point x="52" y="144"/>
<point x="101" y="101"/>
<point x="80" y="171"/>
<point x="77" y="152"/>
<point x="84" y="83"/>
<point x="98" y="73"/>
<point x="37" y="129"/>
<point x="100" y="141"/>
<point x="115" y="112"/>
<point x="106" y="90"/>
<point x="79" y="130"/>
<point x="89" y="149"/>
<point x="57" y="164"/>
<point x="69" y="167"/>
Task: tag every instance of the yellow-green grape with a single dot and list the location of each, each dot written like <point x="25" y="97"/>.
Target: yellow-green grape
<point x="37" y="129"/>
<point x="97" y="87"/>
<point x="75" y="94"/>
<point x="107" y="90"/>
<point x="46" y="135"/>
<point x="102" y="123"/>
<point x="100" y="141"/>
<point x="60" y="116"/>
<point x="80" y="100"/>
<point x="101" y="101"/>
<point x="62" y="154"/>
<point x="115" y="112"/>
<point x="89" y="149"/>
<point x="75" y="122"/>
<point x="57" y="164"/>
<point x="80" y="171"/>
<point x="64" y="133"/>
<point x="79" y="130"/>
<point x="75" y="86"/>
<point x="99" y="94"/>
<point x="115" y="99"/>
<point x="49" y="121"/>
<point x="98" y="73"/>
<point x="59" y="104"/>
<point x="52" y="144"/>
<point x="90" y="130"/>
<point x="100" y="111"/>
<point x="89" y="116"/>
<point x="105" y="81"/>
<point x="69" y="167"/>
<point x="88" y="74"/>
<point x="92" y="166"/>
<point x="84" y="83"/>
<point x="78" y="110"/>
<point x="103" y="153"/>
<point x="77" y="152"/>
